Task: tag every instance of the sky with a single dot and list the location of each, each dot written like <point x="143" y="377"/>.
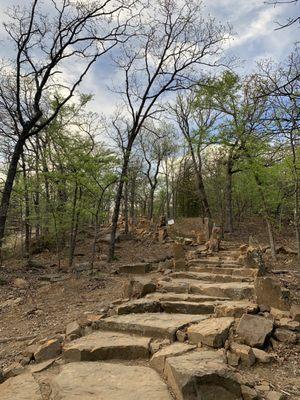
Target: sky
<point x="253" y="23"/>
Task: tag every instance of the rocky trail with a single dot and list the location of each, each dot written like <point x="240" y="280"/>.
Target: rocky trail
<point x="194" y="332"/>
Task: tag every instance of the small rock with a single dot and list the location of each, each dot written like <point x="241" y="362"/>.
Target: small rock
<point x="262" y="356"/>
<point x="285" y="335"/>
<point x="139" y="287"/>
<point x="263" y="387"/>
<point x="155" y="345"/>
<point x="20" y="283"/>
<point x="295" y="312"/>
<point x="30" y="350"/>
<point x="279" y="313"/>
<point x="181" y="335"/>
<point x="24" y="361"/>
<point x="233" y="359"/>
<point x="275" y="396"/>
<point x="73" y="328"/>
<point x="249" y="393"/>
<point x="288" y="323"/>
<point x="254" y="330"/>
<point x="48" y="350"/>
<point x="245" y="353"/>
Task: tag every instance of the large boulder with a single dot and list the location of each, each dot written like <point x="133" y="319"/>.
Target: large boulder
<point x="254" y="330"/>
<point x="202" y="375"/>
<point x="269" y="293"/>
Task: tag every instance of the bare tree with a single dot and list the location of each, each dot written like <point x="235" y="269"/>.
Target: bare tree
<point x="155" y="145"/>
<point x="291" y="20"/>
<point x="195" y="126"/>
<point x="173" y="42"/>
<point x="45" y="47"/>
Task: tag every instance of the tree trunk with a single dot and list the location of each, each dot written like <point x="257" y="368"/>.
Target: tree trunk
<point x="27" y="210"/>
<point x="132" y="201"/>
<point x="271" y="239"/>
<point x="151" y="203"/>
<point x="229" y="216"/>
<point x="73" y="227"/>
<point x="200" y="183"/>
<point x="126" y="208"/>
<point x="167" y="193"/>
<point x="115" y="217"/>
<point x="7" y="190"/>
<point x="37" y="192"/>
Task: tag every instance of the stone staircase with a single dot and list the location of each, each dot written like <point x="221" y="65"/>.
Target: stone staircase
<point x="166" y="345"/>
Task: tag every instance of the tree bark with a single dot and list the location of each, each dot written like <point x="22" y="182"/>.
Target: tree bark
<point x="8" y="186"/>
<point x="126" y="208"/>
<point x="151" y="203"/>
<point x="27" y="209"/>
<point x="229" y="213"/>
<point x="115" y="217"/>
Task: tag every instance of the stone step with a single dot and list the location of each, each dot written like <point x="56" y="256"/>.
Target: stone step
<point x="185" y="304"/>
<point x="233" y="290"/>
<point x="136" y="268"/>
<point x="202" y="276"/>
<point x="111" y="381"/>
<point x="156" y="325"/>
<point x="201" y="374"/>
<point x="186" y="307"/>
<point x="214" y="263"/>
<point x="103" y="346"/>
<point x="194" y="298"/>
<point x="247" y="272"/>
<point x="182" y="307"/>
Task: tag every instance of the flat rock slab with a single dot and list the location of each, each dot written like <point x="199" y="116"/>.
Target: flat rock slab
<point x="211" y="277"/>
<point x="157" y="325"/>
<point x="235" y="308"/>
<point x="175" y="349"/>
<point x="107" y="346"/>
<point x="91" y="381"/>
<point x="247" y="272"/>
<point x="139" y="306"/>
<point x="187" y="307"/>
<point x="233" y="290"/>
<point x="215" y="263"/>
<point x="194" y="298"/>
<point x="22" y="387"/>
<point x="138" y="268"/>
<point x="201" y="374"/>
<point x="212" y="332"/>
<point x="254" y="330"/>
